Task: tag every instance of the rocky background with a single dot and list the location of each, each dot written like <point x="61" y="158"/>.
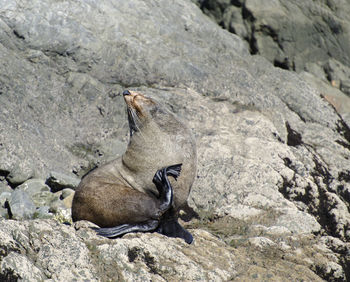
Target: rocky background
<point x="273" y="185"/>
<point x="309" y="37"/>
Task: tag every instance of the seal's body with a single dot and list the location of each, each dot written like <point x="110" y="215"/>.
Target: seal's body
<point x="132" y="192"/>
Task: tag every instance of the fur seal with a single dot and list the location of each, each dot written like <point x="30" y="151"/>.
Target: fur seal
<point x="142" y="190"/>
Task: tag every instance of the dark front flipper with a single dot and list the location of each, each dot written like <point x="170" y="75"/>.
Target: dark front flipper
<point x="119" y="230"/>
<point x="172" y="228"/>
<point x="163" y="185"/>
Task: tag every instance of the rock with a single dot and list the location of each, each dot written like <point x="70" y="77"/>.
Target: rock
<point x="261" y="242"/>
<point x="56" y="201"/>
<point x="316" y="69"/>
<point x="16" y="266"/>
<point x="239" y="193"/>
<point x="334" y="96"/>
<point x="180" y="265"/>
<point x="54" y="248"/>
<point x="62" y="214"/>
<point x="5" y="190"/>
<point x="43" y="198"/>
<point x="43" y="212"/>
<point x="39" y="193"/>
<point x="297" y="222"/>
<point x="20" y="205"/>
<point x="61" y="207"/>
<point x="233" y="21"/>
<point x="33" y="187"/>
<point x="291" y="35"/>
<point x="67" y="192"/>
<point x="4" y="197"/>
<point x="4" y="187"/>
<point x="67" y="197"/>
<point x="336" y="71"/>
<point x="324" y="21"/>
<point x="56" y="257"/>
<point x="19" y="174"/>
<point x="58" y="181"/>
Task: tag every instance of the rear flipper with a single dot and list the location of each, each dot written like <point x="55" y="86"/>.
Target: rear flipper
<point x="172" y="228"/>
<point x="111" y="232"/>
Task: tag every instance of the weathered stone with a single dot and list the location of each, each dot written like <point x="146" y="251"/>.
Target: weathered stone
<point x="19" y="174"/>
<point x="336" y="71"/>
<point x="56" y="201"/>
<point x="67" y="197"/>
<point x="43" y="212"/>
<point x="58" y="181"/>
<point x="21" y="205"/>
<point x="4" y="197"/>
<point x="33" y="187"/>
<point x="67" y="192"/>
<point x="16" y="266"/>
<point x="53" y="248"/>
<point x="334" y="96"/>
<point x="43" y="198"/>
<point x="292" y="35"/>
<point x="4" y="187"/>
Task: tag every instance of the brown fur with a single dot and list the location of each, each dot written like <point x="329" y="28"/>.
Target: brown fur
<point x="122" y="191"/>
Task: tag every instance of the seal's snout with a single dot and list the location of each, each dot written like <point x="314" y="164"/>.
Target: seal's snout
<point x="126" y="92"/>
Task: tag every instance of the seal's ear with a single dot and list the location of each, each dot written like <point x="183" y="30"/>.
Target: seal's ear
<point x="174" y="170"/>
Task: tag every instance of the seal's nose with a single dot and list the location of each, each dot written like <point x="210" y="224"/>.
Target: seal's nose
<point x="126" y="92"/>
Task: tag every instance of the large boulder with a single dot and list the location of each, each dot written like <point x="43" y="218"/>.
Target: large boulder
<point x="42" y="249"/>
<point x="292" y="34"/>
<point x="273" y="179"/>
<point x="311" y="36"/>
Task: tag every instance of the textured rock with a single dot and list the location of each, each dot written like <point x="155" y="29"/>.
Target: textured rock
<point x="17" y="266"/>
<point x="67" y="197"/>
<point x="59" y="181"/>
<point x="50" y="250"/>
<point x="42" y="241"/>
<point x="288" y="33"/>
<point x="4" y="197"/>
<point x="295" y="35"/>
<point x="33" y="199"/>
<point x="33" y="187"/>
<point x="21" y="205"/>
<point x="43" y="212"/>
<point x="331" y="94"/>
<point x="273" y="156"/>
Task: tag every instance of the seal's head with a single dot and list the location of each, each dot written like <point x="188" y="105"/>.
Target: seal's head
<point x="140" y="110"/>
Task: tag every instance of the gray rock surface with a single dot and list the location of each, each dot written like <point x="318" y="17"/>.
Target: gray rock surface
<point x="288" y="33"/>
<point x="59" y="181"/>
<point x="21" y="205"/>
<point x="58" y="252"/>
<point x="34" y="187"/>
<point x="273" y="180"/>
<point x="312" y="36"/>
